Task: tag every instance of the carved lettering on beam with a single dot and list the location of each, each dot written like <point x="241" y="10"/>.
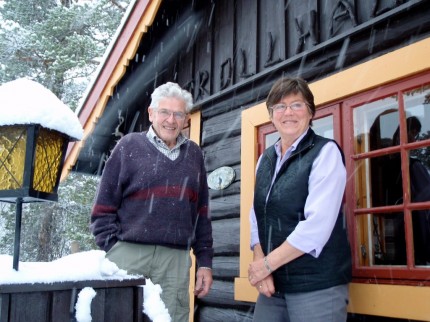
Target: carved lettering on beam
<point x="203" y="80"/>
<point x="244" y="65"/>
<point x="225" y="68"/>
<point x="117" y="132"/>
<point x="271" y="48"/>
<point x="342" y="10"/>
<point x="189" y="86"/>
<point x="175" y="73"/>
<point x="311" y="32"/>
<point x="376" y="12"/>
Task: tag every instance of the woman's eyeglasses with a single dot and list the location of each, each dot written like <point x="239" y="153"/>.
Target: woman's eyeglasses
<point x="281" y="108"/>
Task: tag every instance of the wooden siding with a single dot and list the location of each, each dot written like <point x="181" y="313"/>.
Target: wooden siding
<point x="230" y="53"/>
<point x="114" y="301"/>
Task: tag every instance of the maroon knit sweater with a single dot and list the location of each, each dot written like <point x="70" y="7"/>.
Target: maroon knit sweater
<point x="144" y="197"/>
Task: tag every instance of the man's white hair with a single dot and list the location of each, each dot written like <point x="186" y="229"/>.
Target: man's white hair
<point x="168" y="90"/>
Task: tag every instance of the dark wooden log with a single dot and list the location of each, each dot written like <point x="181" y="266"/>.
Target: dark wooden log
<point x="372" y="38"/>
<point x="222" y="295"/>
<point x="222" y="67"/>
<point x="225" y="207"/>
<point x="4" y="307"/>
<point x="37" y="301"/>
<point x="226" y="236"/>
<point x="246" y="39"/>
<point x="215" y="314"/>
<point x="43" y="302"/>
<point x="60" y="301"/>
<point x="225" y="267"/>
<point x="232" y="189"/>
<point x="202" y="58"/>
<point x="222" y="153"/>
<point x="221" y="127"/>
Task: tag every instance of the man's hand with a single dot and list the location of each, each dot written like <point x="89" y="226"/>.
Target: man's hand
<point x="203" y="282"/>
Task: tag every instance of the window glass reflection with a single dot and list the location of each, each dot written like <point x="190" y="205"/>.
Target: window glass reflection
<point x="421" y="231"/>
<point x="375" y="124"/>
<point x="379" y="181"/>
<point x="324" y="127"/>
<point x="417" y="106"/>
<point x="389" y="242"/>
<point x="271" y="138"/>
<point x="419" y="171"/>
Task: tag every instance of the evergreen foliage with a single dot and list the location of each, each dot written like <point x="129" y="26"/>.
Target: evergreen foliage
<point x="59" y="44"/>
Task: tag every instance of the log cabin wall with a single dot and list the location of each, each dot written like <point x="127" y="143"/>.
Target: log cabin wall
<point x="228" y="53"/>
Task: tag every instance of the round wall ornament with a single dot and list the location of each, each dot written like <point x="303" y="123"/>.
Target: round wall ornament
<point x="221" y="178"/>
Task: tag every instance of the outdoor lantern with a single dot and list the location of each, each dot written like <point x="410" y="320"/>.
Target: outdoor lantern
<point x="31" y="159"/>
<point x="35" y="129"/>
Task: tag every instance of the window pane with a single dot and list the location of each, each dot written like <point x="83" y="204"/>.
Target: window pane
<point x="379" y="181"/>
<point x="421" y="229"/>
<point x="417" y="106"/>
<point x="375" y="124"/>
<point x="382" y="239"/>
<point x="324" y="126"/>
<point x="270" y="139"/>
<point x="389" y="239"/>
<point x="419" y="171"/>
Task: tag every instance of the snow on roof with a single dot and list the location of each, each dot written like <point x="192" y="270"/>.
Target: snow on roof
<point x="24" y="101"/>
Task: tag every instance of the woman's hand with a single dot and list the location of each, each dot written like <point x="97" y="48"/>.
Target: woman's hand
<point x="263" y="266"/>
<point x="258" y="271"/>
<point x="266" y="286"/>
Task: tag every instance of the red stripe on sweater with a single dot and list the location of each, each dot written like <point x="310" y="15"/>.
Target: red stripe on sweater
<point x="101" y="210"/>
<point x="178" y="192"/>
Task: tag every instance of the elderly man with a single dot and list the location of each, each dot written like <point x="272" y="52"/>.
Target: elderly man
<point x="152" y="203"/>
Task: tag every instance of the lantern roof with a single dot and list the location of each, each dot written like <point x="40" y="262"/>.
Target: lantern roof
<point x="24" y="101"/>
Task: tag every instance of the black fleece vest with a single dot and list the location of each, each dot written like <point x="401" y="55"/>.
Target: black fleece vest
<point x="283" y="210"/>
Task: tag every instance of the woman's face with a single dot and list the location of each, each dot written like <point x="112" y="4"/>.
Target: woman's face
<point x="291" y="122"/>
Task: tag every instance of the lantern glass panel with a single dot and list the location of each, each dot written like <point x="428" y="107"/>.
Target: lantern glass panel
<point x="48" y="157"/>
<point x="12" y="156"/>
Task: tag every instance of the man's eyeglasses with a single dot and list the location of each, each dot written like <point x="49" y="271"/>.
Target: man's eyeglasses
<point x="163" y="113"/>
<point x="281" y="108"/>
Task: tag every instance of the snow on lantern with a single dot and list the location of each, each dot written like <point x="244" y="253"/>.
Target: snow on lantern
<point x="35" y="129"/>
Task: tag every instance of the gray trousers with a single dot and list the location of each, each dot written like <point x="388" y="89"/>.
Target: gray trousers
<point x="327" y="305"/>
<point x="163" y="265"/>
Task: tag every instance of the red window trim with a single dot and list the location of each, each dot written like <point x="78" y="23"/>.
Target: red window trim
<point x="409" y="274"/>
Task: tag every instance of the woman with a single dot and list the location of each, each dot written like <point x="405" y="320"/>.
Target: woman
<point x="302" y="260"/>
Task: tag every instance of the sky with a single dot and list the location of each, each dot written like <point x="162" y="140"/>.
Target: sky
<point x="40" y="106"/>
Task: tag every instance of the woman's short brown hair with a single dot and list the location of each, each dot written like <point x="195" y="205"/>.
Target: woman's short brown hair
<point x="286" y="86"/>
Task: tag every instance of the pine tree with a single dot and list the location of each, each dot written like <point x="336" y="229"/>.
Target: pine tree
<point x="59" y="44"/>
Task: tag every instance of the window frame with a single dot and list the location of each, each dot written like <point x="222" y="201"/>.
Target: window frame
<point x="389" y="274"/>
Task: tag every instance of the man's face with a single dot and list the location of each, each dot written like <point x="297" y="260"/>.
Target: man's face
<point x="168" y="119"/>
